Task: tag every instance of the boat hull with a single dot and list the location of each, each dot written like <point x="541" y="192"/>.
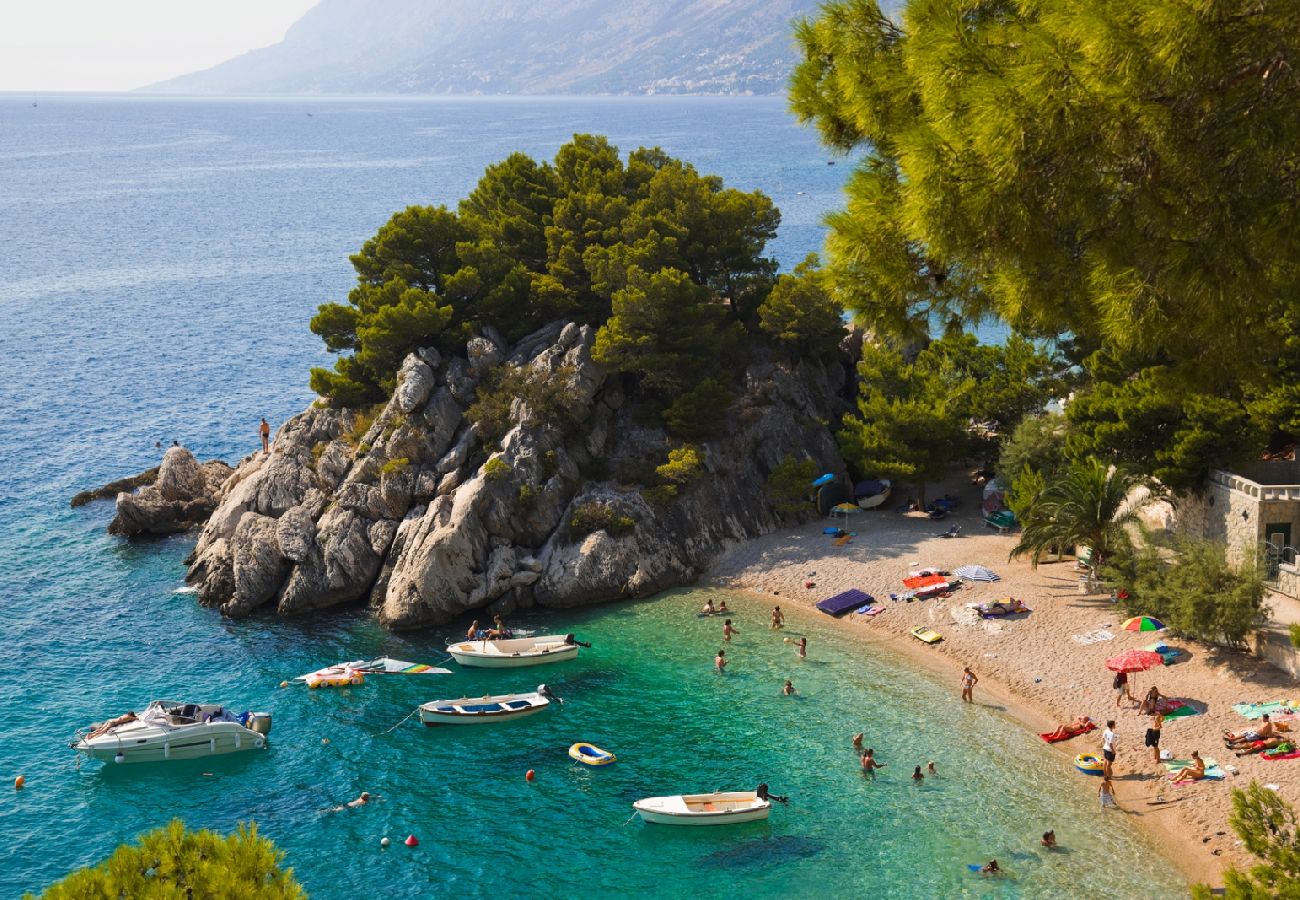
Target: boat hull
<point x="659" y="818"/>
<point x="432" y="718"/>
<point x="175" y="747"/>
<point x="702" y="810"/>
<point x="513" y="654"/>
<point x="482" y="710"/>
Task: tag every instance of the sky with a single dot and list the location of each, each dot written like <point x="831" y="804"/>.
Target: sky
<point x="117" y="45"/>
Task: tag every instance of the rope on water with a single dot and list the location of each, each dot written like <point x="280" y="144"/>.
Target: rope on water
<point x="629" y="819"/>
<point x="399" y="724"/>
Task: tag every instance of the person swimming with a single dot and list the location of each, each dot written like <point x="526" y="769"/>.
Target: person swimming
<point x="720" y="661"/>
<point x="788" y="690"/>
<point x="1049" y="840"/>
<point x="353" y="804"/>
<point x="857" y="741"/>
<point x="869" y="764"/>
<point x="916" y="774"/>
<point x="929" y="767"/>
<point x="991" y="868"/>
<point x="802" y="648"/>
<point x="728" y="630"/>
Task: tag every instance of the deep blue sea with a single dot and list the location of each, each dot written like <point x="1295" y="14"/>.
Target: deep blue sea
<point x="159" y="261"/>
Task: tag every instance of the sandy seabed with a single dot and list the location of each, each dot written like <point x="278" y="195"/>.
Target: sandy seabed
<point x="1032" y="665"/>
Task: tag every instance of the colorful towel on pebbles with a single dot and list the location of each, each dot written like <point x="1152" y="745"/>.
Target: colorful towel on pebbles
<point x="1176" y="766"/>
<point x="1272" y="709"/>
<point x="1092" y="637"/>
<point x="1294" y="754"/>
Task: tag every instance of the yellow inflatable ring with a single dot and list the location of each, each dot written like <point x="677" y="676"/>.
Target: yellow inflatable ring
<point x="1088" y="763"/>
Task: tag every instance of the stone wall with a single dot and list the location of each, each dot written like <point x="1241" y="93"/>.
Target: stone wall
<point x="1288" y="580"/>
<point x="1215" y="514"/>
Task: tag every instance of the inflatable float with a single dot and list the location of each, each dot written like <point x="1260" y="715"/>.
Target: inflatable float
<point x="926" y="635"/>
<point x="1088" y="763"/>
<point x="590" y="754"/>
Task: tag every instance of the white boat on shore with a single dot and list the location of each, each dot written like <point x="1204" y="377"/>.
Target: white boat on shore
<point x="720" y="808"/>
<point x="168" y="730"/>
<point x="481" y="710"/>
<point x="517" y="652"/>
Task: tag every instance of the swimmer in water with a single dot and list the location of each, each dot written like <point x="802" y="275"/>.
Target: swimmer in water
<point x="728" y="630"/>
<point x="788" y="690"/>
<point x="916" y="774"/>
<point x="929" y="767"/>
<point x="720" y="661"/>
<point x="857" y="741"/>
<point x="802" y="648"/>
<point x="778" y="618"/>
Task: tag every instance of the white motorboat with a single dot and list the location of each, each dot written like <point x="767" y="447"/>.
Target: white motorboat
<point x="480" y="710"/>
<point x="516" y="652"/>
<point x="720" y="808"/>
<point x="168" y="730"/>
<point x="871" y="494"/>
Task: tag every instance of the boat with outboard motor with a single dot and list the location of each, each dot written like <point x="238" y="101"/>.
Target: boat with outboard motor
<point x="720" y="808"/>
<point x="509" y="654"/>
<point x="479" y="710"/>
<point x="169" y="730"/>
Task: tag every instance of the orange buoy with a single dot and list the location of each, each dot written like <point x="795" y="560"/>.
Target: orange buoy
<point x="19" y="782"/>
<point x="411" y="841"/>
<point x="529" y="775"/>
<point x="284" y="684"/>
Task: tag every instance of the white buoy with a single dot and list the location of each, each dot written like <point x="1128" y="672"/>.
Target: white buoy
<point x="384" y="842"/>
<point x="120" y="757"/>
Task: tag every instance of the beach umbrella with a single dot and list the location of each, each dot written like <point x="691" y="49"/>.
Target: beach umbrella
<point x="1143" y="623"/>
<point x="823" y="479"/>
<point x="976" y="573"/>
<point x="1135" y="661"/>
<point x="846" y="508"/>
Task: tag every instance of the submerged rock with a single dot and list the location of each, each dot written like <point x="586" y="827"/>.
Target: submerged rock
<point x="418" y="513"/>
<point x="181" y="496"/>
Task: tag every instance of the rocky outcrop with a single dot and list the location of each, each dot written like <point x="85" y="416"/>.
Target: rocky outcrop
<point x="181" y="496"/>
<point x="420" y="515"/>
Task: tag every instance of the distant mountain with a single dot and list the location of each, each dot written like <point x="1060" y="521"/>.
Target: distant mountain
<point x="520" y="47"/>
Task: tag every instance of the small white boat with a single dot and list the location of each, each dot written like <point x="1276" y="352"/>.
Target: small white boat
<point x="723" y="808"/>
<point x="168" y="730"/>
<point x="479" y="710"/>
<point x="875" y="493"/>
<point x="510" y="654"/>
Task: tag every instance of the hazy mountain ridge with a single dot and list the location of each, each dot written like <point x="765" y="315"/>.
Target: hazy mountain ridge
<point x="512" y="47"/>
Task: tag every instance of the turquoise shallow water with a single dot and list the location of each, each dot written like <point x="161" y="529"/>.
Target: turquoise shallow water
<point x="161" y="260"/>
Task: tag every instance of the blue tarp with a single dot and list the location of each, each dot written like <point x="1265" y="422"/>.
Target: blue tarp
<point x="824" y="479"/>
<point x="868" y="489"/>
<point x="842" y="603"/>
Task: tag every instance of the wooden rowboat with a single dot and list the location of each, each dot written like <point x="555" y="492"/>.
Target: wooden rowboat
<point x="481" y="710"/>
<point x="722" y="808"/>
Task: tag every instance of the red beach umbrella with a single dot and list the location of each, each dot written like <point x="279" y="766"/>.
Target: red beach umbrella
<point x="1135" y="661"/>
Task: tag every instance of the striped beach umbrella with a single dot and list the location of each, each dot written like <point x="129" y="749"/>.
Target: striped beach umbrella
<point x="976" y="573"/>
<point x="1143" y="623"/>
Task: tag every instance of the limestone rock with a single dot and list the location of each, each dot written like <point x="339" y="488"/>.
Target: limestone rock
<point x="182" y="496"/>
<point x="414" y="382"/>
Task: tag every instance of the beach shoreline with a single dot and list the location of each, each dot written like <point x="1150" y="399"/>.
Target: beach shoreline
<point x="1029" y="666"/>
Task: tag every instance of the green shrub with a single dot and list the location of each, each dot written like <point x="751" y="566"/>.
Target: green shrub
<point x="698" y="412"/>
<point x="1192" y="588"/>
<point x="1268" y="828"/>
<point x="527" y="496"/>
<point x="396" y="466"/>
<point x="174" y="862"/>
<point x="545" y="393"/>
<point x="1294" y="629"/>
<point x="594" y="516"/>
<point x="790" y="483"/>
<point x="318" y="450"/>
<point x="394" y="423"/>
<point x="660" y="494"/>
<point x="362" y="419"/>
<point x="684" y="465"/>
<point x="1038" y="443"/>
<point x="497" y="469"/>
<point x="550" y="464"/>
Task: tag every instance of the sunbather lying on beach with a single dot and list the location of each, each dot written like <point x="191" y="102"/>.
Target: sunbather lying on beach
<point x="1081" y="725"/>
<point x="1281" y="745"/>
<point x="1265" y="730"/>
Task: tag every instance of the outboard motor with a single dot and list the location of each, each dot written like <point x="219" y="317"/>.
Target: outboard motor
<point x="259" y="722"/>
<point x="546" y="692"/>
<point x="572" y="641"/>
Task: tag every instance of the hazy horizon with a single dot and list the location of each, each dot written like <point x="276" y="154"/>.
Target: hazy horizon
<point x="88" y="46"/>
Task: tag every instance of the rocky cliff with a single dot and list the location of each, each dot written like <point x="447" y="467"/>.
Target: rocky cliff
<point x="422" y="516"/>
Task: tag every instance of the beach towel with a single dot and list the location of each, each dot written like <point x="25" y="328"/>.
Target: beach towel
<point x="1293" y="754"/>
<point x="1092" y="637"/>
<point x="874" y="611"/>
<point x="1176" y="766"/>
<point x="1258" y="710"/>
<point x="841" y="541"/>
<point x="1065" y="732"/>
<point x="1176" y="709"/>
<point x="920" y="581"/>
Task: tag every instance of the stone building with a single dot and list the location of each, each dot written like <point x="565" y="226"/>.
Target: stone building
<point x="1255" y="509"/>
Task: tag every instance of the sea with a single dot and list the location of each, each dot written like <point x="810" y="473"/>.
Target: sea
<point x="159" y="261"/>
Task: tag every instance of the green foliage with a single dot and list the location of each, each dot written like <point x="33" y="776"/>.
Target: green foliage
<point x="1037" y="444"/>
<point x="910" y="422"/>
<point x="362" y="419"/>
<point x="497" y="469"/>
<point x="788" y="484"/>
<point x="660" y="495"/>
<point x="395" y="466"/>
<point x="1026" y="488"/>
<point x="594" y="516"/>
<point x="174" y="862"/>
<point x="697" y="413"/>
<point x="536" y="242"/>
<point x="393" y="425"/>
<point x="801" y="313"/>
<point x="1294" y="631"/>
<point x="684" y="465"/>
<point x="527" y="495"/>
<point x="1090" y="505"/>
<point x="1117" y="173"/>
<point x="1267" y="827"/>
<point x="546" y="395"/>
<point x="1192" y="588"/>
<point x="318" y="450"/>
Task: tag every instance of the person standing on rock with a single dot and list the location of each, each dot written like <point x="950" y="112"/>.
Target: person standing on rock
<point x="266" y="436"/>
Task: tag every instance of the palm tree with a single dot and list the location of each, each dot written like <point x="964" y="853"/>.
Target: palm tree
<point x="1091" y="505"/>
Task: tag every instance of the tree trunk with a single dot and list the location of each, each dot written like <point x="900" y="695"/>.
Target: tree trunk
<point x="920" y="494"/>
